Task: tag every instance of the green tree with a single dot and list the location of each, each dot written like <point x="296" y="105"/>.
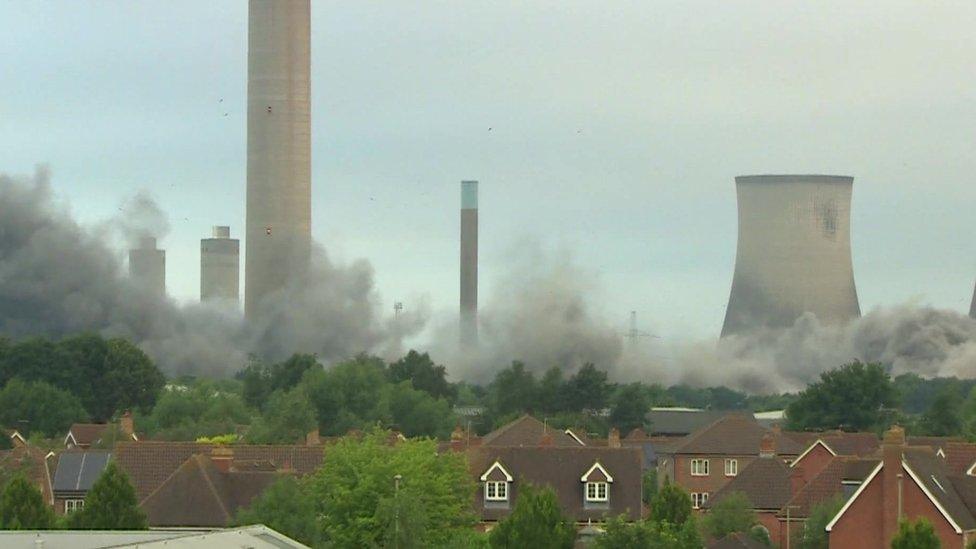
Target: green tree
<point x="131" y="379"/>
<point x="620" y="534"/>
<point x="853" y="398"/>
<point x="649" y="486"/>
<point x="260" y="380"/>
<point x="417" y="413"/>
<point x="287" y="418"/>
<point x="37" y="407"/>
<point x="814" y="533"/>
<point x="629" y="408"/>
<point x="944" y="417"/>
<point x="550" y="398"/>
<point x="200" y="410"/>
<point x="285" y="507"/>
<point x="536" y="521"/>
<point x="22" y="506"/>
<point x="357" y="479"/>
<point x="353" y="394"/>
<point x="915" y="535"/>
<point x="587" y="389"/>
<point x="111" y="504"/>
<point x="513" y="391"/>
<point x="732" y="513"/>
<point x="423" y="374"/>
<point x="671" y="504"/>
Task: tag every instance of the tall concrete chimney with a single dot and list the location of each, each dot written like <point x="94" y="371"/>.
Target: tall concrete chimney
<point x="794" y="252"/>
<point x="972" y="307"/>
<point x="279" y="189"/>
<point x="220" y="259"/>
<point x="147" y="267"/>
<point x="469" y="263"/>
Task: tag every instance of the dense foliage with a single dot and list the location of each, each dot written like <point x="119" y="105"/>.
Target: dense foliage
<point x="284" y="507"/>
<point x="671" y="505"/>
<point x="37" y="407"/>
<point x="649" y="534"/>
<point x="814" y="532"/>
<point x="854" y="397"/>
<point x="915" y="535"/>
<point x="111" y="504"/>
<point x="733" y="513"/>
<point x="536" y="521"/>
<point x="22" y="506"/>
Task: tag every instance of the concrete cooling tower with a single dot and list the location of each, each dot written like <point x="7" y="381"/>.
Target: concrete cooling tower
<point x="279" y="186"/>
<point x="794" y="252"/>
<point x="220" y="259"/>
<point x="147" y="267"/>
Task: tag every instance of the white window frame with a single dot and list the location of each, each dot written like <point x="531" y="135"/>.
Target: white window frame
<point x="698" y="499"/>
<point x="731" y="467"/>
<point x="598" y="487"/>
<point x="501" y="490"/>
<point x="702" y="467"/>
<point x="72" y="505"/>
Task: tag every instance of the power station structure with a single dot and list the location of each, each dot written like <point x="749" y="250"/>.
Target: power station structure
<point x="972" y="307"/>
<point x="220" y="259"/>
<point x="279" y="186"/>
<point x="794" y="252"/>
<point x="147" y="267"/>
<point x="469" y="264"/>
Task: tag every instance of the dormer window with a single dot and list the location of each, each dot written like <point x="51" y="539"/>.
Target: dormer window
<point x="496" y="480"/>
<point x="597" y="491"/>
<point x="596" y="485"/>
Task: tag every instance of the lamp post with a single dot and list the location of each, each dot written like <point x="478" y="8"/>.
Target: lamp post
<point x="788" y="540"/>
<point x="396" y="512"/>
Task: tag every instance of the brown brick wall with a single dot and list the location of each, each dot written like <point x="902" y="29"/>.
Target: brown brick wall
<point x="716" y="478"/>
<point x="814" y="462"/>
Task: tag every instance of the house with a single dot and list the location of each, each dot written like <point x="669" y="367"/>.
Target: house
<point x="961" y="458"/>
<point x="767" y="481"/>
<point x="32" y="462"/>
<point x="824" y="447"/>
<point x="74" y="475"/>
<point x="150" y="463"/>
<point x="736" y="540"/>
<point x="208" y="490"/>
<point x="591" y="483"/>
<point x="907" y="483"/>
<point x="84" y="435"/>
<point x="711" y="457"/>
<point x="673" y="422"/>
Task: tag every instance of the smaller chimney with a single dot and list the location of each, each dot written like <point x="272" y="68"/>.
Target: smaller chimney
<point x="457" y="438"/>
<point x="796" y="480"/>
<point x="127" y="425"/>
<point x="767" y="446"/>
<point x="313" y="438"/>
<point x="613" y="439"/>
<point x="221" y="231"/>
<point x="546" y="439"/>
<point x="222" y="458"/>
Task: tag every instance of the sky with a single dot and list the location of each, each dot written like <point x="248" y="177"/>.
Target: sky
<point x="610" y="131"/>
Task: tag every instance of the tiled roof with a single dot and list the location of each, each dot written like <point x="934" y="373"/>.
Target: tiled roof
<point x="765" y="481"/>
<point x="932" y="442"/>
<point x="150" y="463"/>
<point x="78" y="471"/>
<point x="933" y="473"/>
<point x="736" y="540"/>
<point x="678" y="422"/>
<point x="86" y="434"/>
<point x="527" y="431"/>
<point x="735" y="434"/>
<point x="828" y="484"/>
<point x="561" y="468"/>
<point x="201" y="495"/>
<point x="32" y="462"/>
<point x="960" y="456"/>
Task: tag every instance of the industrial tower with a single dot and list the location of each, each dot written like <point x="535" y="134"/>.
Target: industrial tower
<point x="220" y="258"/>
<point x="279" y="189"/>
<point x="972" y="307"/>
<point x="794" y="252"/>
<point x="147" y="267"/>
<point x="469" y="264"/>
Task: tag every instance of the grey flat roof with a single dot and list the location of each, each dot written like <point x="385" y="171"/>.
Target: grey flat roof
<point x="253" y="537"/>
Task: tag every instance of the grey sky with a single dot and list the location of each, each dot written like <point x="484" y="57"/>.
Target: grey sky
<point x="616" y="131"/>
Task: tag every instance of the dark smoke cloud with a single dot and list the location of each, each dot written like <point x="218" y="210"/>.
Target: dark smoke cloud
<point x="58" y="278"/>
<point x="139" y="218"/>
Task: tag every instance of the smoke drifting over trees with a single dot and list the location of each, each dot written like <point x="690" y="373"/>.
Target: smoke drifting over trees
<point x="58" y="278"/>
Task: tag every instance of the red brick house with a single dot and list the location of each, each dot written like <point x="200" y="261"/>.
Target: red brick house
<point x="75" y="474"/>
<point x="711" y="457"/>
<point x="907" y="483"/>
<point x="84" y="435"/>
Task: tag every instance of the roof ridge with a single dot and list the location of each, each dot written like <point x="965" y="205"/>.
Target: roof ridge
<point x="700" y="432"/>
<point x="167" y="479"/>
<point x="213" y="489"/>
<point x="504" y="428"/>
